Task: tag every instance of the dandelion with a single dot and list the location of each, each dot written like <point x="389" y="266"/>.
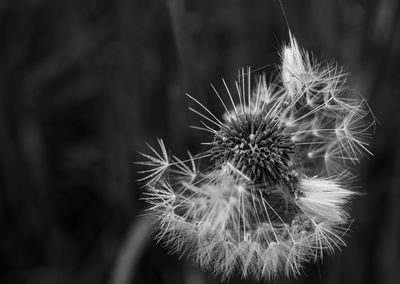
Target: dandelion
<point x="273" y="196"/>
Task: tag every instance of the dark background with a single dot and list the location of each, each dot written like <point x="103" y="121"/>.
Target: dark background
<point x="85" y="84"/>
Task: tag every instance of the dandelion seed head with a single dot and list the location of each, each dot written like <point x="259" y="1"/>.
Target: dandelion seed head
<point x="273" y="195"/>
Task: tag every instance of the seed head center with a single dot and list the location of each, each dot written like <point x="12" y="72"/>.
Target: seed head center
<point x="257" y="146"/>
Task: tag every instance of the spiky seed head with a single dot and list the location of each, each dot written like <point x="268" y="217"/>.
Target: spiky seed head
<point x="273" y="195"/>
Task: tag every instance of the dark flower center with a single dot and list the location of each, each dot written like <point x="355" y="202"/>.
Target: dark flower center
<point x="257" y="146"/>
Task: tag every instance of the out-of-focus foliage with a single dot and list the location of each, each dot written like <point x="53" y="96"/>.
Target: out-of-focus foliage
<point x="84" y="84"/>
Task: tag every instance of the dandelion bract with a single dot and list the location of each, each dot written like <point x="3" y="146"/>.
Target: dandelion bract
<point x="275" y="187"/>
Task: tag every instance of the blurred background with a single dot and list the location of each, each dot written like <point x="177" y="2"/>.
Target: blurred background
<point x="85" y="84"/>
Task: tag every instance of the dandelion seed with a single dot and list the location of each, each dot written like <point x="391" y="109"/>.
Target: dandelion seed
<point x="274" y="194"/>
